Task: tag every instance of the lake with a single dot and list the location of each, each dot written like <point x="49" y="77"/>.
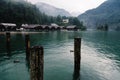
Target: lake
<point x="100" y="55"/>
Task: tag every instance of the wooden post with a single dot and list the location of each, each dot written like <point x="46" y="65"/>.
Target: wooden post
<point x="36" y="63"/>
<point x="77" y="58"/>
<point x="8" y="43"/>
<point x="27" y="44"/>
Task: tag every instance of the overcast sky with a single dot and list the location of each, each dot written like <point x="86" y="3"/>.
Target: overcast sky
<point x="72" y="5"/>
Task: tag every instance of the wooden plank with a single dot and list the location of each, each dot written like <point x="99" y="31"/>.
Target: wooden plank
<point x="77" y="58"/>
<point x="36" y="62"/>
<point x="8" y="43"/>
<point x="27" y="45"/>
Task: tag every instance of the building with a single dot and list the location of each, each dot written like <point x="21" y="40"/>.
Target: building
<point x="2" y="27"/>
<point x="7" y="27"/>
<point x="45" y="27"/>
<point x="65" y="20"/>
<point x="54" y="27"/>
<point x="30" y="27"/>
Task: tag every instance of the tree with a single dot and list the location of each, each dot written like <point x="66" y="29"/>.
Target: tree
<point x="103" y="27"/>
<point x="106" y="27"/>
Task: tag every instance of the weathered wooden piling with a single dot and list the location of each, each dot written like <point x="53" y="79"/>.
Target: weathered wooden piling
<point x="77" y="58"/>
<point x="27" y="45"/>
<point x="8" y="43"/>
<point x="36" y="63"/>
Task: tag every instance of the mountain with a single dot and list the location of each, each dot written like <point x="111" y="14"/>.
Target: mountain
<point x="51" y="10"/>
<point x="75" y="14"/>
<point x="107" y="13"/>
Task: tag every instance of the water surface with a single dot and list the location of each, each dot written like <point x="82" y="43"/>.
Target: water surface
<point x="100" y="55"/>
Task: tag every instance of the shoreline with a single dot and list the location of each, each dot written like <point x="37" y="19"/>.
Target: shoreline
<point x="22" y="32"/>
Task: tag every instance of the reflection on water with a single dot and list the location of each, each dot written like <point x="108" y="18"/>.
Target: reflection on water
<point x="100" y="56"/>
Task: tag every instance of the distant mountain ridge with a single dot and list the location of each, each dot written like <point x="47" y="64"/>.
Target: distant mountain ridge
<point x="75" y="14"/>
<point x="51" y="10"/>
<point x="106" y="13"/>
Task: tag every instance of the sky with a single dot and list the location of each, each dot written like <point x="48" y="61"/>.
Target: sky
<point x="72" y="5"/>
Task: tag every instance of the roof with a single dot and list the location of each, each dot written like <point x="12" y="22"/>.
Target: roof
<point x="54" y="27"/>
<point x="8" y="24"/>
<point x="47" y="26"/>
<point x="30" y="26"/>
<point x="71" y="27"/>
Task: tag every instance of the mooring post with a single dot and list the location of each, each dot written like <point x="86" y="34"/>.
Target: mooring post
<point x="77" y="58"/>
<point x="8" y="43"/>
<point x="36" y="62"/>
<point x="27" y="45"/>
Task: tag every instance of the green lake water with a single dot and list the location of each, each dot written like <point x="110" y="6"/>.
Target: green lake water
<point x="100" y="55"/>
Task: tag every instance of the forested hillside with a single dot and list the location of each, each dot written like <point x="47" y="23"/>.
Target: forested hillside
<point x="19" y="11"/>
<point x="22" y="12"/>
